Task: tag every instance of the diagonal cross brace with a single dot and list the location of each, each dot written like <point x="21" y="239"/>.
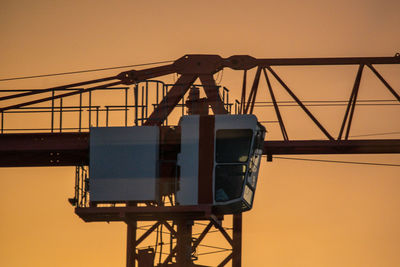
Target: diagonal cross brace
<point x="172" y="98"/>
<point x="213" y="97"/>
<point x="300" y="104"/>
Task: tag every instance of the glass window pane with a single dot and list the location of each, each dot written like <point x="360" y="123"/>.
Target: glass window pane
<point x="253" y="170"/>
<point x="229" y="182"/>
<point x="252" y="179"/>
<point x="248" y="195"/>
<point x="233" y="145"/>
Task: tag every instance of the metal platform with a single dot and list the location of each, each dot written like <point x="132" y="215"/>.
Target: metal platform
<point x="148" y="213"/>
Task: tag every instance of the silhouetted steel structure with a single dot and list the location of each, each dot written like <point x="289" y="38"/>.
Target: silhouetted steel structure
<point x="58" y="147"/>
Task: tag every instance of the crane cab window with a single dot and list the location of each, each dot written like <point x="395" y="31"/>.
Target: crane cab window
<point x="232" y="153"/>
<point x="233" y="145"/>
<point x="229" y="181"/>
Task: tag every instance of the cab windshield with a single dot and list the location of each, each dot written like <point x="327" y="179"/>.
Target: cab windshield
<point x="233" y="145"/>
<point x="229" y="182"/>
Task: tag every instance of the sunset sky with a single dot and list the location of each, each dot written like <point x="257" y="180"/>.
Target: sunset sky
<point x="306" y="214"/>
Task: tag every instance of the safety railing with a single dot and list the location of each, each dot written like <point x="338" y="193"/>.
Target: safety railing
<point x="80" y="112"/>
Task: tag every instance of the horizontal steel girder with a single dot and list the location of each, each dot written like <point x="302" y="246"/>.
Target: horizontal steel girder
<point x="72" y="149"/>
<point x="44" y="149"/>
<point x="298" y="147"/>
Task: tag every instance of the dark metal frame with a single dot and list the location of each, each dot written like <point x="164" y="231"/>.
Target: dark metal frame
<point x="182" y="219"/>
<point x="66" y="149"/>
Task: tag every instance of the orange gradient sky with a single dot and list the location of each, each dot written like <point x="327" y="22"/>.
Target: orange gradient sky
<point x="305" y="214"/>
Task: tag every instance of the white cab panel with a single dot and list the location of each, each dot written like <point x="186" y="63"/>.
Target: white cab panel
<point x="124" y="163"/>
<point x="188" y="160"/>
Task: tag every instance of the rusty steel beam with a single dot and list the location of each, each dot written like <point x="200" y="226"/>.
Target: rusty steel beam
<point x="131" y="244"/>
<point x="276" y="107"/>
<point x="298" y="147"/>
<point x="245" y="62"/>
<point x="44" y="149"/>
<point x="237" y="224"/>
<point x="356" y="88"/>
<point x="213" y="97"/>
<point x="174" y="95"/>
<point x="72" y="149"/>
<point x="328" y="61"/>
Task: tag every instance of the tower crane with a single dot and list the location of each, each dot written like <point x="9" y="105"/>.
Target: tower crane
<point x="201" y="169"/>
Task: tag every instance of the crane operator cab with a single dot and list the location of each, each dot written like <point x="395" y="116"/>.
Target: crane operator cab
<point x="219" y="161"/>
<point x="210" y="160"/>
